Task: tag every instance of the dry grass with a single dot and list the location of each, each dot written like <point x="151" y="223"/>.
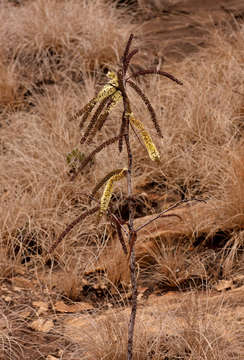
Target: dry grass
<point x="165" y="329"/>
<point x="53" y="41"/>
<point x="156" y="5"/>
<point x="50" y="67"/>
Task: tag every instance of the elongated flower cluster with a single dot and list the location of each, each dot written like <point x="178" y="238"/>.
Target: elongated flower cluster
<point x="107" y="193"/>
<point x="109" y="88"/>
<point x="107" y="98"/>
<point x="151" y="148"/>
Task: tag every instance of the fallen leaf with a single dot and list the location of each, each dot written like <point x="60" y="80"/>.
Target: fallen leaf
<point x="238" y="280"/>
<point x="24" y="314"/>
<point x="4" y="288"/>
<point x="42" y="325"/>
<point x="60" y="306"/>
<point x="16" y="288"/>
<point x="3" y="325"/>
<point x="19" y="269"/>
<point x="224" y="285"/>
<point x="50" y="357"/>
<point x="43" y="307"/>
<point x="6" y="298"/>
<point x="77" y="322"/>
<point x="20" y="282"/>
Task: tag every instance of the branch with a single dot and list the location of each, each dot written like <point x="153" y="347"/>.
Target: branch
<point x="166" y="210"/>
<point x="70" y="226"/>
<point x="126" y="52"/>
<point x="93" y="153"/>
<point x="128" y="60"/>
<point x="148" y="105"/>
<point x="119" y="229"/>
<point x="155" y="72"/>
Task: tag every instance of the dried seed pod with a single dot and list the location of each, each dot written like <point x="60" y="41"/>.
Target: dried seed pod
<point x="116" y="98"/>
<point x="86" y="109"/>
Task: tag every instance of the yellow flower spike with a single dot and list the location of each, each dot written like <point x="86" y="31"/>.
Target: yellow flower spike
<point x="108" y="88"/>
<point x="113" y="78"/>
<point x="151" y="148"/>
<point x="115" y="99"/>
<point x="107" y="193"/>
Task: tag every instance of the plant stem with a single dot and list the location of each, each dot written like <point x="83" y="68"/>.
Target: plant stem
<point x="132" y="238"/>
<point x="132" y="233"/>
<point x="161" y="214"/>
<point x="134" y="303"/>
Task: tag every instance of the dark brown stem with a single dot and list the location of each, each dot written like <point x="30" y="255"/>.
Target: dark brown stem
<point x="120" y="222"/>
<point x="121" y="132"/>
<point x="129" y="182"/>
<point x="132" y="233"/>
<point x="133" y="299"/>
<point x="120" y="236"/>
<point x="132" y="240"/>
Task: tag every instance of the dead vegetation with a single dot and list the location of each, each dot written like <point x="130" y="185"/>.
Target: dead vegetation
<point x="52" y="65"/>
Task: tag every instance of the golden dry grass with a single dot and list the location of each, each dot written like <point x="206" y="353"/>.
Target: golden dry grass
<point x="50" y="67"/>
<point x="165" y="329"/>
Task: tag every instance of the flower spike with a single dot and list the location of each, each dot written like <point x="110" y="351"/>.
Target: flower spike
<point x="107" y="193"/>
<point x="103" y="181"/>
<point x="151" y="148"/>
